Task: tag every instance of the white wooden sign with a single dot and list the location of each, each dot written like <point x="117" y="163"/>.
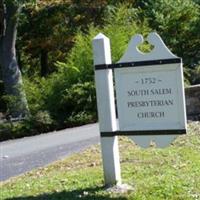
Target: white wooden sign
<point x="149" y="93"/>
<point x="106" y="110"/>
<point x="150" y="97"/>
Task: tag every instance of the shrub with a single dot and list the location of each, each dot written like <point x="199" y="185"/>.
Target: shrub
<point x="78" y="98"/>
<point x="121" y="24"/>
<point x="194" y="75"/>
<point x="36" y="92"/>
<point x="81" y="97"/>
<point x="71" y="90"/>
<point x="178" y="24"/>
<point x="77" y="119"/>
<point x="42" y="121"/>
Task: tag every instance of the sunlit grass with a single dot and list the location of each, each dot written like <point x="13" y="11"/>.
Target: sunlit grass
<point x="171" y="173"/>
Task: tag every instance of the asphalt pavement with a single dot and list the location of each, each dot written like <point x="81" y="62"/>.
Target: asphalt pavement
<point x="22" y="155"/>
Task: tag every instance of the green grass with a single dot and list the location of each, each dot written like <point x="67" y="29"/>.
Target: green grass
<point x="172" y="173"/>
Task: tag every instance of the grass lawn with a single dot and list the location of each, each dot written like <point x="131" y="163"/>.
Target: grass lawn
<point x="171" y="173"/>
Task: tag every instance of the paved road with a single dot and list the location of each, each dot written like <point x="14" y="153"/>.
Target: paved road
<point x="22" y="155"/>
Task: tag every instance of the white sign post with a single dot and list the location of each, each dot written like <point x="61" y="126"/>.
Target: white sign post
<point x="149" y="93"/>
<point x="106" y="110"/>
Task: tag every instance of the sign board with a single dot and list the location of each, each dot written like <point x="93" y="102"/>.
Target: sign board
<point x="150" y="97"/>
<point x="149" y="94"/>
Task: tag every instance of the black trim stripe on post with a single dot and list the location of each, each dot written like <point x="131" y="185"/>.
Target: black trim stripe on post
<point x="146" y="133"/>
<point x="139" y="63"/>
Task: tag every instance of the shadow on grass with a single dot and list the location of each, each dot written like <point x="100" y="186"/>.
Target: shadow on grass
<point x="87" y="194"/>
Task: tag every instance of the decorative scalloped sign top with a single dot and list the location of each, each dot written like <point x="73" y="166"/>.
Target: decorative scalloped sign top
<point x="160" y="50"/>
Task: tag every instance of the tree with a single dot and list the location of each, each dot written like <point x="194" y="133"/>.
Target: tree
<point x="11" y="74"/>
<point x="47" y="44"/>
<point x="178" y="24"/>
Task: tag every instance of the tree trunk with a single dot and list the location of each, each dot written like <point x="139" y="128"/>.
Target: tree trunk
<point x="19" y="60"/>
<point x="44" y="62"/>
<point x="11" y="74"/>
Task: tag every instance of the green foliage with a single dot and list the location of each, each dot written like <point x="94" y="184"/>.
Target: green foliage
<point x="64" y="19"/>
<point x="178" y="24"/>
<point x="121" y="24"/>
<point x="16" y="105"/>
<point x="81" y="56"/>
<point x="42" y="121"/>
<point x="20" y="2"/>
<point x="35" y="92"/>
<point x="62" y="96"/>
<point x="194" y="75"/>
<point x="71" y="90"/>
<point x="79" y="102"/>
<point x="55" y="87"/>
<point x="80" y="118"/>
<point x="66" y="97"/>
